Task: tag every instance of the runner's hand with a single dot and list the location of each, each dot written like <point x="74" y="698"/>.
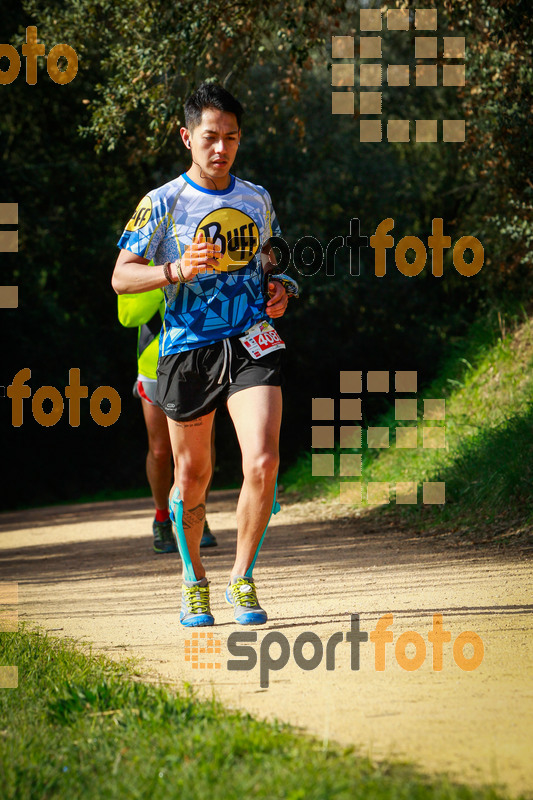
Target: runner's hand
<point x="279" y="299"/>
<point x="200" y="257"/>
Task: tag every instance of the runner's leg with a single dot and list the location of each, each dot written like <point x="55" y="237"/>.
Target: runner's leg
<point x="191" y="448"/>
<point x="159" y="457"/>
<point x="256" y="415"/>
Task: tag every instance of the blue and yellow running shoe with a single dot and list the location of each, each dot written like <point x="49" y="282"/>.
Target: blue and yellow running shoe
<point x="241" y="594"/>
<point x="164" y="541"/>
<point x="195" y="610"/>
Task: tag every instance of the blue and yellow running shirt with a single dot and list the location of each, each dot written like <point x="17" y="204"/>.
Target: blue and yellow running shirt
<point x="214" y="305"/>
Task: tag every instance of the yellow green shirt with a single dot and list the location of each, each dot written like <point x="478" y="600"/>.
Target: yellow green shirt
<point x="145" y="311"/>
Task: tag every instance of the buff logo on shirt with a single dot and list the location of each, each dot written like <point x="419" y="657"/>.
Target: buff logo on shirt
<point x="141" y="215"/>
<point x="235" y="232"/>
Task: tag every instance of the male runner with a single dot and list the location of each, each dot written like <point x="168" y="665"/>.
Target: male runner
<point x="208" y="235"/>
<point x="145" y="311"/>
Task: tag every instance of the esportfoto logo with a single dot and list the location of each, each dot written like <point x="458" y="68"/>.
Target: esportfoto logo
<point x="273" y="652"/>
<point x="374" y="71"/>
<point x="32" y="49"/>
<point x="347" y="410"/>
<point x="18" y="390"/>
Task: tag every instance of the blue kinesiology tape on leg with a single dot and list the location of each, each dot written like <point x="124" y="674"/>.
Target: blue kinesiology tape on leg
<point x="275" y="509"/>
<point x="176" y="515"/>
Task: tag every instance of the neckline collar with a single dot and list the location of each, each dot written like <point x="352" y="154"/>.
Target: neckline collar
<point x="227" y="190"/>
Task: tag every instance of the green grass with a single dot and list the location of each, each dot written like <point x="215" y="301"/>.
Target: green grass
<point x="487" y="464"/>
<point x="84" y="727"/>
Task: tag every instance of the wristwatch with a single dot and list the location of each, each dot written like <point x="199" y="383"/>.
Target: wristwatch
<point x="291" y="286"/>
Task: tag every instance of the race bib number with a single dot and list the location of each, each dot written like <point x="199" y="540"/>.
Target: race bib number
<point x="261" y="339"/>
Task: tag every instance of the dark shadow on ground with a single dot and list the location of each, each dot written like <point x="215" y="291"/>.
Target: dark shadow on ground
<point x="362" y="543"/>
<point x="105" y="511"/>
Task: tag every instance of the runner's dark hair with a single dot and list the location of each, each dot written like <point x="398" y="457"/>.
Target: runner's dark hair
<point x="210" y="95"/>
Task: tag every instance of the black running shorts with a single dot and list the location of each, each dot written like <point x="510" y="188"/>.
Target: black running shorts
<point x="196" y="382"/>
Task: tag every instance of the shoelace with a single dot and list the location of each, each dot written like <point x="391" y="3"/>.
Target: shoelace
<point x="246" y="599"/>
<point x="197" y="598"/>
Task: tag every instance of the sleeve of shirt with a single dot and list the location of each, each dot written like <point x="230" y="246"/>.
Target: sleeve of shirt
<point x="146" y="228"/>
<point x="272" y="220"/>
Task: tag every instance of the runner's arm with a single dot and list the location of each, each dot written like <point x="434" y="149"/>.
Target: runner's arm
<point x="132" y="273"/>
<point x="268" y="258"/>
<point x="277" y="303"/>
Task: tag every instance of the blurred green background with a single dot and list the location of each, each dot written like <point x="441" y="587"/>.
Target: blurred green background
<point x="77" y="159"/>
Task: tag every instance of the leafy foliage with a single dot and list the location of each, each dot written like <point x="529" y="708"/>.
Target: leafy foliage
<point x="138" y="61"/>
<point x="153" y="53"/>
<point x="498" y="154"/>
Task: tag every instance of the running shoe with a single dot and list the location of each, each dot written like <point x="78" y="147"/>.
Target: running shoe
<point x="195" y="610"/>
<point x="242" y="596"/>
<point x="164" y="541"/>
<point x="208" y="539"/>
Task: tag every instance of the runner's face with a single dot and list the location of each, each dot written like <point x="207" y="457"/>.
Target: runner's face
<point x="214" y="142"/>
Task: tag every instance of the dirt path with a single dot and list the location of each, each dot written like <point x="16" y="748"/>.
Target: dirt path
<point x="88" y="572"/>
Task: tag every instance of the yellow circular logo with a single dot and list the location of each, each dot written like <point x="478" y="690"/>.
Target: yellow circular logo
<point x="141" y="215"/>
<point x="235" y="232"/>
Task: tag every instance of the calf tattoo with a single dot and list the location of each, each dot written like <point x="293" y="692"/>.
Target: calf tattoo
<point x="193" y="516"/>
